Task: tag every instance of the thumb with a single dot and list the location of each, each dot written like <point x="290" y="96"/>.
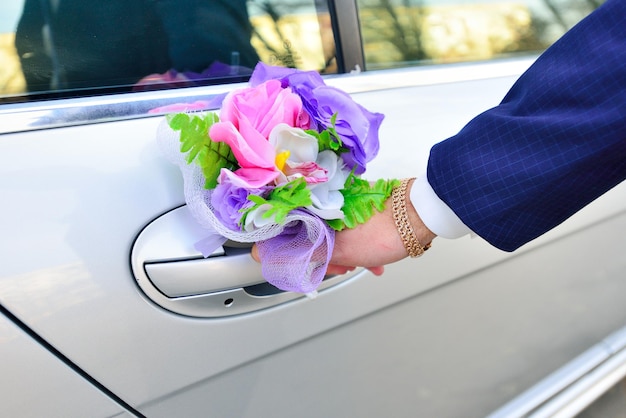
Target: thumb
<point x="254" y="252"/>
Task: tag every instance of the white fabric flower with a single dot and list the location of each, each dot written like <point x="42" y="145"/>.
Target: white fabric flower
<point x="296" y="155"/>
<point x="255" y="220"/>
<point x="327" y="198"/>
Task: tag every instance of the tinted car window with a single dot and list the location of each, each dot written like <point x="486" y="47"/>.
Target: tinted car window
<point x="400" y="33"/>
<point x="63" y="48"/>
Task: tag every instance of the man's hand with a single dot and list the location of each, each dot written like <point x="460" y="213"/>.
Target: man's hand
<point x="373" y="244"/>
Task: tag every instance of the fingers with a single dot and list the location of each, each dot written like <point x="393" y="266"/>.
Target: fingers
<point x="377" y="270"/>
<point x="337" y="269"/>
<point x="332" y="268"/>
<point x="254" y="252"/>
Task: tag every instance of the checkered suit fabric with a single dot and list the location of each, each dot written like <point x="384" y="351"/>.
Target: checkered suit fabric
<point x="555" y="143"/>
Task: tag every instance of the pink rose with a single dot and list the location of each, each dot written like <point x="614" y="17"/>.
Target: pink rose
<point x="246" y="119"/>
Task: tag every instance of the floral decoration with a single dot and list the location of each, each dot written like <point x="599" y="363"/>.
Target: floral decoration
<point x="281" y="165"/>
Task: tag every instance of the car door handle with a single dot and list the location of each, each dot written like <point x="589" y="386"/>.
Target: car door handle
<point x="191" y="277"/>
<point x="174" y="275"/>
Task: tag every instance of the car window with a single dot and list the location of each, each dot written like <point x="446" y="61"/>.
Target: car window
<point x="67" y="48"/>
<point x="401" y="33"/>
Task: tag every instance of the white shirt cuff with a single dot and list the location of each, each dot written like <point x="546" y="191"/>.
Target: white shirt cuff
<point x="436" y="215"/>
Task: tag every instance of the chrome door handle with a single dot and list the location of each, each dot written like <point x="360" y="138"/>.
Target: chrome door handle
<point x="177" y="277"/>
<point x="204" y="275"/>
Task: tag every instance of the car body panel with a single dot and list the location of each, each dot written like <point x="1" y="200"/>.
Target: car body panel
<point x="27" y="392"/>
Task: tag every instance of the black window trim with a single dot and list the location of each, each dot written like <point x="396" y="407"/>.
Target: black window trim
<point x="347" y="32"/>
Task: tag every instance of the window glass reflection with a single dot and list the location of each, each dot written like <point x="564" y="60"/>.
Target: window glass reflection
<point x="398" y="33"/>
<point x="11" y="79"/>
<point x="294" y="33"/>
<point x="60" y="48"/>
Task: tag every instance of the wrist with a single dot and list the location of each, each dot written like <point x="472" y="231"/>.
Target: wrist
<point x="424" y="234"/>
<point x="415" y="236"/>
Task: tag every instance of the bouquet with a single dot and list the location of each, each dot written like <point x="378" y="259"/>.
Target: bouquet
<point x="279" y="165"/>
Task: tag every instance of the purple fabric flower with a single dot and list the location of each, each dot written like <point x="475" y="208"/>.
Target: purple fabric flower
<point x="263" y="72"/>
<point x="228" y="198"/>
<point x="356" y="126"/>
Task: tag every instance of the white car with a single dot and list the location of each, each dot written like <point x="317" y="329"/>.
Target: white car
<point x="107" y="310"/>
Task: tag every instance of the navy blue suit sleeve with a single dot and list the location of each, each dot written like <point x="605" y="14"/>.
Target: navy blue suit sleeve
<point x="555" y="143"/>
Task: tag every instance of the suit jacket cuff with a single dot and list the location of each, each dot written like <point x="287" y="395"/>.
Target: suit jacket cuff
<point x="436" y="215"/>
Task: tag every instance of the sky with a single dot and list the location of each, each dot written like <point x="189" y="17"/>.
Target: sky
<point x="10" y="11"/>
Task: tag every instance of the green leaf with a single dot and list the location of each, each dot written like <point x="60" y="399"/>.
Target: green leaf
<point x="210" y="155"/>
<point x="336" y="224"/>
<point x="283" y="199"/>
<point x="329" y="139"/>
<point x="361" y="198"/>
<point x="177" y="120"/>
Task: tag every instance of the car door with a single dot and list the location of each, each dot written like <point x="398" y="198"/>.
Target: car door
<point x="100" y="283"/>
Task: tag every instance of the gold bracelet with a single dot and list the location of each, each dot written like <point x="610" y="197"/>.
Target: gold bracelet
<point x="400" y="216"/>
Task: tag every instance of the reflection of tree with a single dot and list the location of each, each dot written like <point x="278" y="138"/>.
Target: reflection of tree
<point x="283" y="54"/>
<point x="577" y="8"/>
<point x="398" y="32"/>
<point x="294" y="33"/>
<point x="595" y="3"/>
<point x="563" y="14"/>
<point x="558" y="17"/>
<point x="393" y="28"/>
<point x="406" y="33"/>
